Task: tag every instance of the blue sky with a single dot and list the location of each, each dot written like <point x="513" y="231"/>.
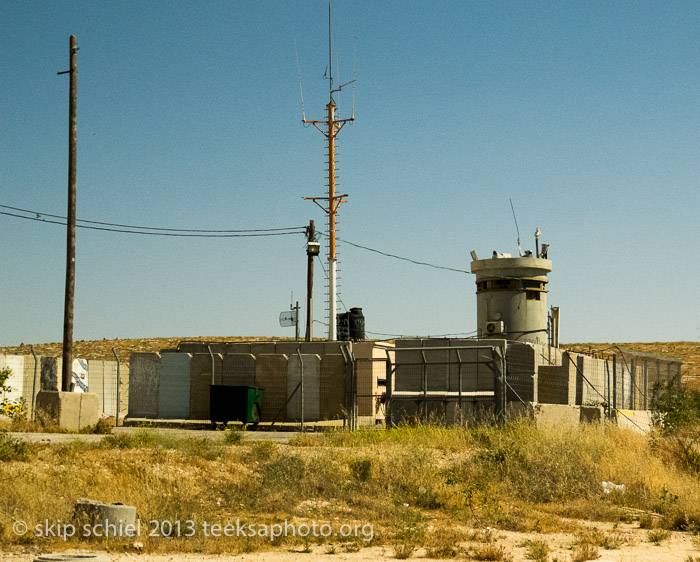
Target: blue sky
<point x="189" y="116"/>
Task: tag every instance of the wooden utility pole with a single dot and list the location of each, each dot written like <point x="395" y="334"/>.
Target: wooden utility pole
<point x="67" y="371"/>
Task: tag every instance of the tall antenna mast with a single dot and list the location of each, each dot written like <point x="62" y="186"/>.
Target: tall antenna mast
<point x="332" y="128"/>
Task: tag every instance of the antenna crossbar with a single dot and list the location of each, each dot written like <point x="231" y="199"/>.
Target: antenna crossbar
<point x="332" y="208"/>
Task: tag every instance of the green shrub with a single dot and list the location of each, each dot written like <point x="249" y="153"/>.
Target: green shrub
<point x="675" y="407"/>
<point x="12" y="449"/>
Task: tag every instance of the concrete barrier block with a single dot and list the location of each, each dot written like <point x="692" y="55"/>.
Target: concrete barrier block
<point x="174" y="395"/>
<point x="521" y="371"/>
<point x="238" y="369"/>
<point x="80" y="375"/>
<point x="237" y="347"/>
<point x="124" y="376"/>
<point x="309" y="366"/>
<point x="332" y="384"/>
<point x="592" y="414"/>
<point x="144" y="385"/>
<point x="556" y="415"/>
<point x="50" y="369"/>
<point x="16" y="381"/>
<point x="271" y="375"/>
<point x="192" y="347"/>
<point x="200" y="381"/>
<point x="262" y="348"/>
<point x="553" y="384"/>
<point x="290" y="348"/>
<point x="31" y="384"/>
<point x="70" y="410"/>
<point x="99" y="386"/>
<point x="334" y="347"/>
<point x="639" y="421"/>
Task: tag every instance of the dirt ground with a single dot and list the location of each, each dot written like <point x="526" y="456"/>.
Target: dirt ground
<point x="678" y="547"/>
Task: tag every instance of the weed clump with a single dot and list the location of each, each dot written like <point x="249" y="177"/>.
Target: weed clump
<point x="12" y="449"/>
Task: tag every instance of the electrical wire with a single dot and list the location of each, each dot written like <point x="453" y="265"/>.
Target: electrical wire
<point x="157" y="231"/>
<point x="605" y="400"/>
<point x="386" y="254"/>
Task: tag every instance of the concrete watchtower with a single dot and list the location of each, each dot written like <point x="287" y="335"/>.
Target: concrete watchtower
<point x="511" y="299"/>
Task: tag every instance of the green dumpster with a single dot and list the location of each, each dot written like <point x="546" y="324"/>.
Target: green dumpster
<point x="235" y="403"/>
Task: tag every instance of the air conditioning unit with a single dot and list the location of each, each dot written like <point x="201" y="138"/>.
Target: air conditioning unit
<point x="494" y="327"/>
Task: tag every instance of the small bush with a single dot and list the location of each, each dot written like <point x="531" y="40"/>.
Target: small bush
<point x="675" y="407"/>
<point x="402" y="551"/>
<point x="362" y="469"/>
<point x="443" y="543"/>
<point x="12" y="449"/>
<point x="102" y="427"/>
<point x="657" y="536"/>
<point x="584" y="552"/>
<point x="596" y="537"/>
<point x="233" y="435"/>
<point x="537" y="550"/>
<point x="490" y="551"/>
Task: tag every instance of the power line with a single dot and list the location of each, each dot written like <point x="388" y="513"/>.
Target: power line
<point x="416" y="262"/>
<point x="177" y="232"/>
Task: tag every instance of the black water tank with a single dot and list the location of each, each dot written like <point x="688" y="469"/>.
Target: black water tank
<point x="350" y="325"/>
<point x="357" y="324"/>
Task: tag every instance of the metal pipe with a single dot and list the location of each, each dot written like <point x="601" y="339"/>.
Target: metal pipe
<point x="212" y="364"/>
<point x="332" y="334"/>
<point x="118" y="384"/>
<point x="301" y="366"/>
<point x="36" y="362"/>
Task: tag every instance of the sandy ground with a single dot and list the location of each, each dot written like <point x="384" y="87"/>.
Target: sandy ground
<point x="637" y="548"/>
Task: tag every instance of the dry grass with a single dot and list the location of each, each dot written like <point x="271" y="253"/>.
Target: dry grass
<point x="585" y="552"/>
<point x="417" y="486"/>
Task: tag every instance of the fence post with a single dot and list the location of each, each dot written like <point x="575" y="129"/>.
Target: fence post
<point x="425" y="387"/>
<point x="36" y="361"/>
<point x="459" y="376"/>
<point x="499" y="385"/>
<point x="389" y="384"/>
<point x="614" y="382"/>
<point x="301" y="367"/>
<point x="116" y="410"/>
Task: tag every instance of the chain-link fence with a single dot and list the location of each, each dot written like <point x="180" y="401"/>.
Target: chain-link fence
<point x="30" y="374"/>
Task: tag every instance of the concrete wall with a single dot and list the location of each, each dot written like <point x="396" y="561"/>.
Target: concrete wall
<point x="31" y="385"/>
<point x="238" y="370"/>
<point x="16" y="380"/>
<point x="200" y="383"/>
<point x="51" y="368"/>
<point x="174" y="395"/>
<point x="521" y="369"/>
<point x="144" y="385"/>
<point x="332" y="384"/>
<point x="271" y="375"/>
<point x="102" y="383"/>
<point x="308" y="366"/>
